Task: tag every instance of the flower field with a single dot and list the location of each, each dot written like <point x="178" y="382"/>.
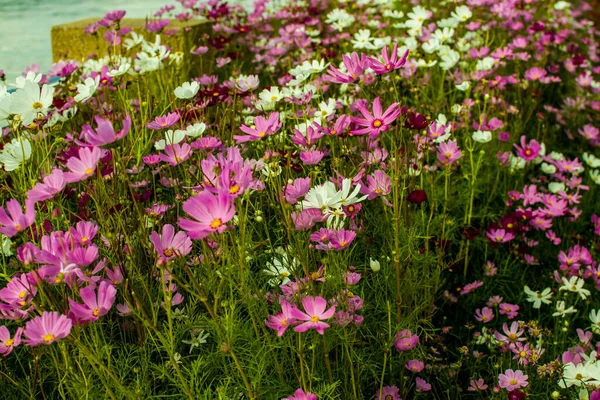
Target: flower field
<point x="320" y="200"/>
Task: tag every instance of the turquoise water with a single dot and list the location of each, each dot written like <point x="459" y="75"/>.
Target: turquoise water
<point x="25" y="26"/>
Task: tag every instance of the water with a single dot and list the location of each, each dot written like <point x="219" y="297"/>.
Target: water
<point x="25" y="26"/>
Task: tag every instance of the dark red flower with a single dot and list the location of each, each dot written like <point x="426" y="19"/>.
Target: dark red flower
<point x="417" y="196"/>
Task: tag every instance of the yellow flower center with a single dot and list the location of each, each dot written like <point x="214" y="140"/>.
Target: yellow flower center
<point x="18" y="227"/>
<point x="234" y="189"/>
<point x="168" y="252"/>
<point x="314" y="318"/>
<point x="216" y="223"/>
<point x="88" y="171"/>
<point x="284" y="322"/>
<point x="315" y="275"/>
<point x="22" y="294"/>
<point x="37" y="105"/>
<point x="9" y="342"/>
<point x="448" y="154"/>
<point x="377" y="123"/>
<point x="96" y="312"/>
<point x="513" y="381"/>
<point x="48" y="337"/>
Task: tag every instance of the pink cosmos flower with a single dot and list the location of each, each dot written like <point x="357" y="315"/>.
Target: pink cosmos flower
<point x="105" y="133"/>
<point x="510" y="310"/>
<point x="529" y="151"/>
<point x="477" y="385"/>
<point x="379" y="121"/>
<point x="300" y="395"/>
<point x="415" y="366"/>
<point x="19" y="291"/>
<point x="499" y="235"/>
<point x="311" y="157"/>
<point x="355" y="66"/>
<point x="283" y="320"/>
<point x="84" y="165"/>
<point x="53" y="184"/>
<point x="378" y="184"/>
<point x="342" y="238"/>
<point x="448" y="152"/>
<point x="84" y="232"/>
<point x="471" y="287"/>
<point x="511" y="380"/>
<point x="170" y="244"/>
<point x="484" y="315"/>
<point x="176" y="153"/>
<point x="511" y="335"/>
<point x="16" y="221"/>
<point x="210" y="211"/>
<point x="299" y="188"/>
<point x="96" y="302"/>
<point x="422" y="385"/>
<point x="315" y="313"/>
<point x="535" y="74"/>
<point x="405" y="340"/>
<point x="47" y="328"/>
<point x="7" y="342"/>
<point x="388" y="64"/>
<point x="164" y="122"/>
<point x="388" y="393"/>
<point x="262" y="127"/>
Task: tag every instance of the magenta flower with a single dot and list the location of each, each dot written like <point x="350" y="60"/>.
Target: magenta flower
<point x="299" y="188"/>
<point x="311" y="157"/>
<point x="105" y="133"/>
<point x="484" y="315"/>
<point x="96" y="303"/>
<point x="510" y="310"/>
<point x="422" y="385"/>
<point x="47" y="328"/>
<point x="477" y="385"/>
<point x="170" y="245"/>
<point x="529" y="151"/>
<point x="164" y="122"/>
<point x="282" y="320"/>
<point x="535" y="74"/>
<point x="388" y="64"/>
<point x="315" y="313"/>
<point x="511" y="335"/>
<point x="7" y="342"/>
<point x="262" y="127"/>
<point x="300" y="395"/>
<point x="19" y="291"/>
<point x="53" y="184"/>
<point x="355" y="66"/>
<point x="379" y="121"/>
<point x="405" y="340"/>
<point x="448" y="152"/>
<point x="500" y="235"/>
<point x="16" y="221"/>
<point x="210" y="211"/>
<point x="388" y="393"/>
<point x="84" y="232"/>
<point x="378" y="184"/>
<point x="415" y="366"/>
<point x="342" y="238"/>
<point x="176" y="153"/>
<point x="511" y="380"/>
<point x="84" y="165"/>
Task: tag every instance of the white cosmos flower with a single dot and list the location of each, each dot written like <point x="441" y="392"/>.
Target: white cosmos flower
<point x="575" y="284"/>
<point x="464" y="86"/>
<point x="195" y="130"/>
<point x="449" y="59"/>
<point x="271" y="95"/>
<point x="15" y="153"/>
<point x="247" y="83"/>
<point x="574" y="375"/>
<point x="462" y="13"/>
<point x="171" y="138"/>
<point x="31" y="76"/>
<point x="548" y="168"/>
<point x="556" y="187"/>
<point x="482" y="136"/>
<point x="561" y="309"/>
<point x="538" y="298"/>
<point x="187" y="90"/>
<point x="121" y="70"/>
<point x="362" y="39"/>
<point x="134" y="41"/>
<point x="595" y="175"/>
<point x="590" y="159"/>
<point x="86" y="90"/>
<point x="5" y="103"/>
<point x="5" y="244"/>
<point x="279" y="267"/>
<point x="30" y="103"/>
<point x="485" y="64"/>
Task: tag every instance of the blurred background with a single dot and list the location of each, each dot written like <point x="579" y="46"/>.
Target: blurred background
<point x="25" y="26"/>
